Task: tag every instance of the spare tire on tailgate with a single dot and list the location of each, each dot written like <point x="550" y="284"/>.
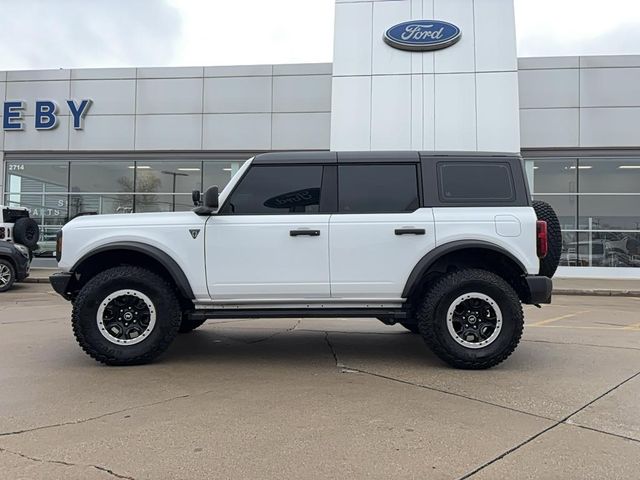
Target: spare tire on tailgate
<point x="26" y="232"/>
<point x="549" y="264"/>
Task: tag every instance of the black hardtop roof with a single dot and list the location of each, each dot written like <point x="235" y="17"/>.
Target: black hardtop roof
<point x="356" y="157"/>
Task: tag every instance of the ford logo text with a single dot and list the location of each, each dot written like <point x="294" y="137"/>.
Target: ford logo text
<point x="422" y="35"/>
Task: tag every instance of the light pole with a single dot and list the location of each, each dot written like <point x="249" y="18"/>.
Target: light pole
<point x="173" y="195"/>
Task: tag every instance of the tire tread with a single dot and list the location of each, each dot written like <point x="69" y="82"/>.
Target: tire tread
<point x="426" y="317"/>
<point x="118" y="273"/>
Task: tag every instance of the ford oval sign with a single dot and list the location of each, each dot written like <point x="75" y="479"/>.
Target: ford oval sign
<point x="422" y="35"/>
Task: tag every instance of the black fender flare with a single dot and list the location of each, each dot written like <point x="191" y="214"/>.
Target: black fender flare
<point x="426" y="262"/>
<point x="169" y="264"/>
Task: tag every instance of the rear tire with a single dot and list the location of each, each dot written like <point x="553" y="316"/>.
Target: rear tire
<point x="465" y="299"/>
<point x="7" y="275"/>
<point x="126" y="316"/>
<point x="549" y="264"/>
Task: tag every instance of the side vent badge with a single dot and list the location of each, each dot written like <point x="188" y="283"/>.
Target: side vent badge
<point x="194" y="232"/>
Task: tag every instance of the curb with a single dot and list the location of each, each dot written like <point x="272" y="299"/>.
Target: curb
<point x="557" y="291"/>
<point x="36" y="280"/>
<point x="596" y="292"/>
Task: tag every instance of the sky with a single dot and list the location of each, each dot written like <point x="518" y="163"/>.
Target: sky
<point x="38" y="34"/>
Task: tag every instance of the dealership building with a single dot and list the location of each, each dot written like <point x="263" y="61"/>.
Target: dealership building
<point x="141" y="139"/>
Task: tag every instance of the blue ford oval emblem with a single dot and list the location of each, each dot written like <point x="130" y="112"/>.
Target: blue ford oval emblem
<point x="422" y="35"/>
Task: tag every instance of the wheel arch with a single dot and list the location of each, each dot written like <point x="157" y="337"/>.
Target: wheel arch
<point x="465" y="254"/>
<point x="133" y="253"/>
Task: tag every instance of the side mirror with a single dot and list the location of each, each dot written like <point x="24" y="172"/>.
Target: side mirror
<point x="195" y="198"/>
<point x="210" y="202"/>
<point x="211" y="198"/>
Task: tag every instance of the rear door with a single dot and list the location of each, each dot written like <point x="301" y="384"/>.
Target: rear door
<point x="271" y="239"/>
<point x="380" y="231"/>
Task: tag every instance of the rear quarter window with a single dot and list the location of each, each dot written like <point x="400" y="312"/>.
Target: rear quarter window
<point x="475" y="182"/>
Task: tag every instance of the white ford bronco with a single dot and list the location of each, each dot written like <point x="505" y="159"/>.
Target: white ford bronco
<point x="449" y="245"/>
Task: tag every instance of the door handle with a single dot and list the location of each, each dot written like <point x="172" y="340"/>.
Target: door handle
<point x="308" y="233"/>
<point x="410" y="231"/>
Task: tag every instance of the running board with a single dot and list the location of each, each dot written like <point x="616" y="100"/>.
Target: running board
<point x="387" y="315"/>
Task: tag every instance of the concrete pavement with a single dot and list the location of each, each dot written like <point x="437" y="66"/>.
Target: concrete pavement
<point x="321" y="398"/>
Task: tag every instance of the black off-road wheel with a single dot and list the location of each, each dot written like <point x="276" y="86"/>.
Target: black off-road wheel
<point x="126" y="316"/>
<point x="472" y="319"/>
<point x="26" y="232"/>
<point x="7" y="275"/>
<point x="189" y="325"/>
<point x="549" y="264"/>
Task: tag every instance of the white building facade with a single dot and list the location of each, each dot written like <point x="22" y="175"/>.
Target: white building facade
<point x="146" y="137"/>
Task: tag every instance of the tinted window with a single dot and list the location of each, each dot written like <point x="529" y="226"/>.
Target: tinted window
<point x="478" y="181"/>
<point x="277" y="190"/>
<point x="377" y="188"/>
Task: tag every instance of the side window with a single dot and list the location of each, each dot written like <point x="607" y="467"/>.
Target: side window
<point x="277" y="190"/>
<point x="460" y="182"/>
<point x="377" y="188"/>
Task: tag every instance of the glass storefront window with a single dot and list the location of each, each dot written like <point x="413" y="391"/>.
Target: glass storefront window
<point x="99" y="203"/>
<point x="609" y="212"/>
<point x="168" y="177"/>
<point x="41" y="187"/>
<point x="555" y="175"/>
<point x="597" y="200"/>
<point x="219" y="173"/>
<point x="609" y="175"/>
<point x="56" y="188"/>
<point x="102" y="177"/>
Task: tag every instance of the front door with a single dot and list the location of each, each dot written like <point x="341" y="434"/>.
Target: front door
<point x="270" y="240"/>
<point x="380" y="231"/>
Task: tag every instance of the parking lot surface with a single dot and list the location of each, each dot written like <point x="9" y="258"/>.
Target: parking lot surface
<point x="318" y="398"/>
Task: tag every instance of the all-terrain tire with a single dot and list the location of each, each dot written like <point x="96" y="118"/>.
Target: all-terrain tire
<point x="432" y="318"/>
<point x="188" y="325"/>
<point x="549" y="264"/>
<point x="26" y="232"/>
<point x="85" y="313"/>
<point x="7" y="275"/>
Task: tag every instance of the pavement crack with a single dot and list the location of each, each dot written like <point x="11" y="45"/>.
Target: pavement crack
<point x="66" y="464"/>
<point x="446" y="392"/>
<point x="90" y="419"/>
<point x="563" y="421"/>
<point x="333" y="350"/>
<point x="264" y="339"/>
<point x="624" y="437"/>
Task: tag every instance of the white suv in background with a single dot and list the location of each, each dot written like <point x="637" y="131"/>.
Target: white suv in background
<point x="448" y="245"/>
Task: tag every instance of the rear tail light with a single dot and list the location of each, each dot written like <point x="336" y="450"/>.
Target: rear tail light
<point x="2" y="232"/>
<point x="58" y="246"/>
<point x="541" y="236"/>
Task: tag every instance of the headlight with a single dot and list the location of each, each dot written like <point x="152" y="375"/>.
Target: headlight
<point x="22" y="249"/>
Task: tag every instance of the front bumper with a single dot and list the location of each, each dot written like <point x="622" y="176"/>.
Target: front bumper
<point x="540" y="289"/>
<point x="61" y="282"/>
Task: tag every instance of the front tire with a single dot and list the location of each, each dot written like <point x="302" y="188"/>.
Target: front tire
<point x="126" y="316"/>
<point x="472" y="319"/>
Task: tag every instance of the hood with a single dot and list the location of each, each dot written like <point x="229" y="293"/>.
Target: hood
<point x="136" y="219"/>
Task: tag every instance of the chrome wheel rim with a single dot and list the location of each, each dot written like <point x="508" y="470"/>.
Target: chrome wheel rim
<point x="126" y="317"/>
<point x="5" y="275"/>
<point x="474" y="320"/>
